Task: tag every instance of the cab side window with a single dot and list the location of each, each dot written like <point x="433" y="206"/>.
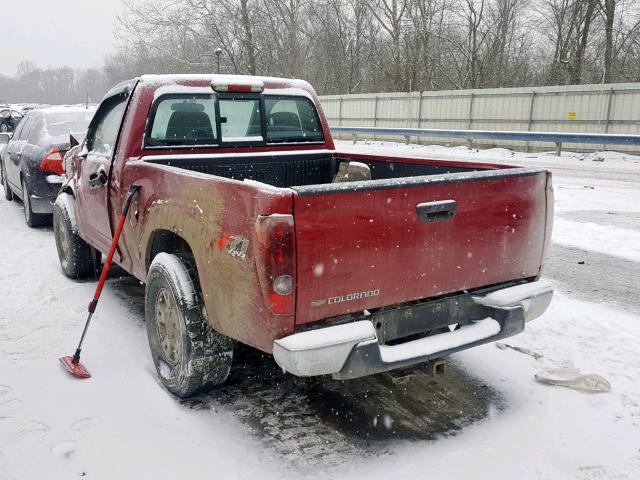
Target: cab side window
<point x="105" y="131"/>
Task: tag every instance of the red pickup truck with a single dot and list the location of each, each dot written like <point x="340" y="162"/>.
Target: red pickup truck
<point x="251" y="226"/>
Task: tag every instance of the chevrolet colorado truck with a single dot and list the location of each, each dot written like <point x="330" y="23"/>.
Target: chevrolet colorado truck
<point x="250" y="226"/>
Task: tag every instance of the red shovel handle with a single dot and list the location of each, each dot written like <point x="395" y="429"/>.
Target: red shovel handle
<point x="72" y="364"/>
<point x="112" y="249"/>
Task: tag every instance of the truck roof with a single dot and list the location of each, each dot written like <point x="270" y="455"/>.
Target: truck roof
<point x="205" y="80"/>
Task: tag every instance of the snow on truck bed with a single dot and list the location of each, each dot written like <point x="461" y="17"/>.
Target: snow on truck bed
<point x="121" y="424"/>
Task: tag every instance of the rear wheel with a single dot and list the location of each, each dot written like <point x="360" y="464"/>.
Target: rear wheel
<point x="77" y="259"/>
<point x="189" y="355"/>
<point x="8" y="194"/>
<point x="32" y="219"/>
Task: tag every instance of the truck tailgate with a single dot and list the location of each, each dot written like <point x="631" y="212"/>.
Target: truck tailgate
<point x="364" y="245"/>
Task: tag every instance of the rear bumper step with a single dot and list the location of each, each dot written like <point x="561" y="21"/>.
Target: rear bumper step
<point x="352" y="350"/>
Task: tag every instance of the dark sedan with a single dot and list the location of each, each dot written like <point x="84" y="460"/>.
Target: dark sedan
<point x="32" y="163"/>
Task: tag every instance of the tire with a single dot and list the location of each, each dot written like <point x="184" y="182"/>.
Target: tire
<point x="32" y="219"/>
<point x="76" y="256"/>
<point x="189" y="356"/>
<point x="8" y="194"/>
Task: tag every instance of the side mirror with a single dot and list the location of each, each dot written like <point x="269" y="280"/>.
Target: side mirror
<point x="5" y="137"/>
<point x="84" y="151"/>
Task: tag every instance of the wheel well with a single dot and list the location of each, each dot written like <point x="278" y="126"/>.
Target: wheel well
<point x="21" y="179"/>
<point x="66" y="188"/>
<point x="165" y="241"/>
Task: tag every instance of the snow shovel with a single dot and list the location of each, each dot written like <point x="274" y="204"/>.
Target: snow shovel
<point x="72" y="364"/>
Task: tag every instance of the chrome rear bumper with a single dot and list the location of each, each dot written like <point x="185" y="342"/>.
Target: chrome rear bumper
<point x="352" y="350"/>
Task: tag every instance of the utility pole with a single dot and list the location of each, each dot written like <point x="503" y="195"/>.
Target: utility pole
<point x="218" y="52"/>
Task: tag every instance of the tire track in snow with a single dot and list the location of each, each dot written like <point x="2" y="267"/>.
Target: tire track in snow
<point x="595" y="276"/>
<point x="321" y="421"/>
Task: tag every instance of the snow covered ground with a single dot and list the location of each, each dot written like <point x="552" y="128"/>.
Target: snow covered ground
<point x="122" y="424"/>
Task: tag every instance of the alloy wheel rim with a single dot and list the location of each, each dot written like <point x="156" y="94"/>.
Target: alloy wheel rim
<point x="168" y="327"/>
<point x="65" y="242"/>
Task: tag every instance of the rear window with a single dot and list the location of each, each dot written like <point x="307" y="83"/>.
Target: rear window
<point x="240" y="120"/>
<point x="196" y="120"/>
<point x="292" y="119"/>
<point x="63" y="123"/>
<point x="13" y="114"/>
<point x="184" y="120"/>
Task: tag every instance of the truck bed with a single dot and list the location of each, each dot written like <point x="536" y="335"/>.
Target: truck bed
<point x="418" y="229"/>
<point x="303" y="168"/>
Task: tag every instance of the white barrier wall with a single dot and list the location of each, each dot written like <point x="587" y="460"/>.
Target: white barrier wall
<point x="609" y="108"/>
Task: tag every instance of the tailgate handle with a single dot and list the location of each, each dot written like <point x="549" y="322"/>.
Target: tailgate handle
<point x="439" y="211"/>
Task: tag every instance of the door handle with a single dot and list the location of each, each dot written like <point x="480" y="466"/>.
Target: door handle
<point x="98" y="179"/>
<point x="438" y="211"/>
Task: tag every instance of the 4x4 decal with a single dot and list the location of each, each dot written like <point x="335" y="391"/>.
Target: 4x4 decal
<point x="235" y="245"/>
<point x="238" y="246"/>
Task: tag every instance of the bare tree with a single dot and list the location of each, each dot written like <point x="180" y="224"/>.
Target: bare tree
<point x="348" y="46"/>
<point x="390" y="15"/>
<point x="608" y="9"/>
<point x="583" y="30"/>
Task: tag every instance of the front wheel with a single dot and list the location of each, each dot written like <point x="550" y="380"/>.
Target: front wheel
<point x="189" y="355"/>
<point x="8" y="194"/>
<point x="77" y="258"/>
<point x="32" y="219"/>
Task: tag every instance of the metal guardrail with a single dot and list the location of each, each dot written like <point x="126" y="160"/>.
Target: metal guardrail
<point x="556" y="138"/>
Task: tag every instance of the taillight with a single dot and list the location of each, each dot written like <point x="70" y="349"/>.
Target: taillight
<point x="52" y="162"/>
<point x="275" y="236"/>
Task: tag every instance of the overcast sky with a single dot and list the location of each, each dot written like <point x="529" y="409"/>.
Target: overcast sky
<point x="77" y="33"/>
